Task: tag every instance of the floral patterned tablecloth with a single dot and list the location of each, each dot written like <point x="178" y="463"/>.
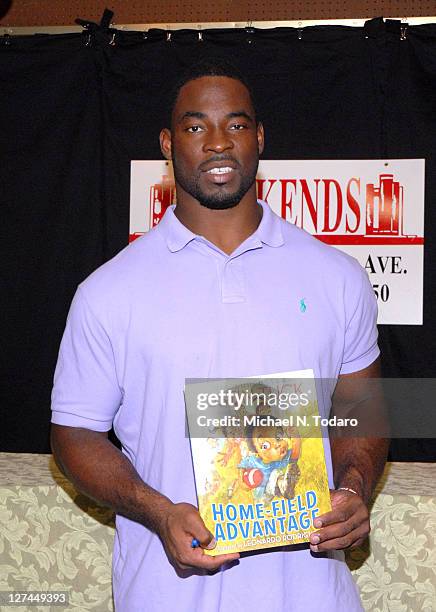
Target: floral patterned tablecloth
<point x="53" y="538"/>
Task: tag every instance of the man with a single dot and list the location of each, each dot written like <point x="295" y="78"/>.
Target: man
<point x="214" y="290"/>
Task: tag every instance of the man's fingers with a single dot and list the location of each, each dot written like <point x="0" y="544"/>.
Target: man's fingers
<point x="342" y="512"/>
<point x="198" y="559"/>
<point x="345" y="525"/>
<point x="195" y="526"/>
<point x="205" y="538"/>
<point x="338" y="530"/>
<point x="202" y="535"/>
<point x="351" y="539"/>
<point x="338" y="537"/>
<point x="195" y="543"/>
<point x="211" y="545"/>
<point x="339" y="515"/>
<point x="213" y="563"/>
<point x="187" y="536"/>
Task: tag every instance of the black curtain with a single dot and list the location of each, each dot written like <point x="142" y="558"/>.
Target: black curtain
<point x="77" y="108"/>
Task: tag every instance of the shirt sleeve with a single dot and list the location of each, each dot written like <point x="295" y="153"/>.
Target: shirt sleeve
<point x="86" y="391"/>
<point x="360" y="347"/>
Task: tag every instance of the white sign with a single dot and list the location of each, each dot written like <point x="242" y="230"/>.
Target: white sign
<point x="371" y="209"/>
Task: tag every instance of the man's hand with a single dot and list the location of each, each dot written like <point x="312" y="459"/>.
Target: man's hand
<point x="358" y="461"/>
<point x="105" y="474"/>
<point x="346" y="526"/>
<point x="180" y="524"/>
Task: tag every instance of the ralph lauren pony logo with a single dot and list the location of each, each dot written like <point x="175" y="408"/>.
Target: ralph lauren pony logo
<point x="303" y="306"/>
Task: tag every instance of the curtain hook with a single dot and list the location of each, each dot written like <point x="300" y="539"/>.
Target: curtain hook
<point x="88" y="40"/>
<point x="112" y="41"/>
<point x="403" y="31"/>
<point x="250" y="31"/>
<point x="300" y="33"/>
<point x="168" y="36"/>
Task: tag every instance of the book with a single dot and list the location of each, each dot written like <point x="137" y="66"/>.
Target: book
<point x="258" y="459"/>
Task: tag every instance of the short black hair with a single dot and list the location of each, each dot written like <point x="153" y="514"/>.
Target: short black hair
<point x="215" y="67"/>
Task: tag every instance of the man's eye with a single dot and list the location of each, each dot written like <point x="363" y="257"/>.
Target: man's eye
<point x="238" y="126"/>
<point x="193" y="129"/>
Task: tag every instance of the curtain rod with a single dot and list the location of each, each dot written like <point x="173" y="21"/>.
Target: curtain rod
<point x="141" y="27"/>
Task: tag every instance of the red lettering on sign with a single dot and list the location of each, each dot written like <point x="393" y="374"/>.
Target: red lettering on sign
<point x="285" y="202"/>
<point x="260" y="183"/>
<point x="353" y="204"/>
<point x="327" y="183"/>
<point x="312" y="207"/>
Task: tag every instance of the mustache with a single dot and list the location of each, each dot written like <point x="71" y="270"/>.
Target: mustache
<point x="219" y="158"/>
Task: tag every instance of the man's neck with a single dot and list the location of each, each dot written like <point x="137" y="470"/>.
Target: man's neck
<point x="226" y="229"/>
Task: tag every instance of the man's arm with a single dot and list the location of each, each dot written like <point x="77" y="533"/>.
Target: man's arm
<point x="358" y="463"/>
<point x="101" y="471"/>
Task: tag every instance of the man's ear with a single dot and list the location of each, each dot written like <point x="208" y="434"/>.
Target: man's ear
<point x="165" y="143"/>
<point x="260" y="138"/>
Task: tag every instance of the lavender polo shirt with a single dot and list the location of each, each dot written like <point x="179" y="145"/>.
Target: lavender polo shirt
<point x="173" y="305"/>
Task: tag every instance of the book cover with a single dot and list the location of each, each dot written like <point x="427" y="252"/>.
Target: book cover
<point x="258" y="459"/>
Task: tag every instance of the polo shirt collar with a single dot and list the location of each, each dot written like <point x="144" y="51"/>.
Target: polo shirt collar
<point x="270" y="227"/>
<point x="177" y="235"/>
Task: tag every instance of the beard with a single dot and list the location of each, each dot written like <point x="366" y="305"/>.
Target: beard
<point x="220" y="200"/>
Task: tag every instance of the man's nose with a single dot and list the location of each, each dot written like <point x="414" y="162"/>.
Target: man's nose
<point x="218" y="141"/>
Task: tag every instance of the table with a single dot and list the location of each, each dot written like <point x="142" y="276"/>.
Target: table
<point x="53" y="538"/>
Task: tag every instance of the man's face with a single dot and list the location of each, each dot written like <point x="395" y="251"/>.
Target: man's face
<point x="214" y="142"/>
